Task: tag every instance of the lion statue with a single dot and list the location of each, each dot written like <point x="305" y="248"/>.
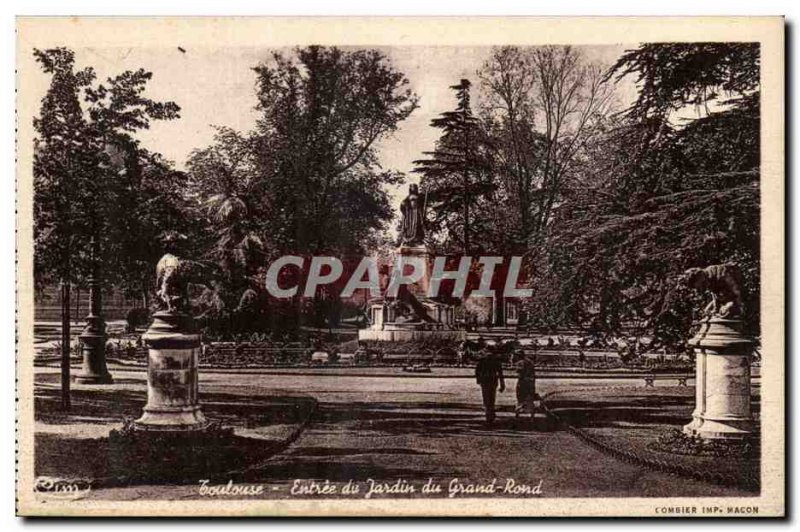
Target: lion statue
<point x="723" y="282"/>
<point x="173" y="276"/>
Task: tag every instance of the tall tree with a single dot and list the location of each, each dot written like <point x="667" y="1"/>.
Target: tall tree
<point x="671" y="76"/>
<point x="508" y="114"/>
<point x="322" y="113"/>
<point x="455" y="175"/>
<point x="137" y="204"/>
<point x="65" y="163"/>
<point x="663" y="195"/>
<point x="307" y="180"/>
<point x="540" y="107"/>
<point x="81" y="157"/>
<point x="230" y="196"/>
<point x="151" y="216"/>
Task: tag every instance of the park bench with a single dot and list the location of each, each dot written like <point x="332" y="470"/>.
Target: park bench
<point x="649" y="380"/>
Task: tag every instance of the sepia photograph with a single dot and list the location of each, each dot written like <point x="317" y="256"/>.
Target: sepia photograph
<point x="400" y="267"/>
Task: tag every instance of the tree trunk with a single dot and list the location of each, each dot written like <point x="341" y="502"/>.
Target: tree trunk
<point x="77" y="301"/>
<point x="499" y="309"/>
<point x="65" y="345"/>
<point x="466" y="192"/>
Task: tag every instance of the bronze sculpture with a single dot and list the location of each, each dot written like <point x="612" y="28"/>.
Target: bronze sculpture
<point x="173" y="276"/>
<point x="412" y="230"/>
<point x="723" y="282"/>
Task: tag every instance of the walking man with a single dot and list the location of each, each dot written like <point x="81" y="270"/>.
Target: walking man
<point x="488" y="374"/>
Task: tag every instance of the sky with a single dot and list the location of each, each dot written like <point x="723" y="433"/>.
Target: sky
<point x="216" y="86"/>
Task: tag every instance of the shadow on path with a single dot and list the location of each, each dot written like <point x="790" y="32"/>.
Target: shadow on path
<point x="69" y="447"/>
<point x="646" y="407"/>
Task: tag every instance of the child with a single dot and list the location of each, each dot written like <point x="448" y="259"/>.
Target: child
<point x="526" y="386"/>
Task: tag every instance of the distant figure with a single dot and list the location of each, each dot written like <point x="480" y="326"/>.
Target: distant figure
<point x="526" y="386"/>
<point x="488" y="374"/>
<point x="461" y="353"/>
<point x="360" y="356"/>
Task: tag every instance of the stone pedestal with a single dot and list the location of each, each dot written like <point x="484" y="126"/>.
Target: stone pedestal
<point x="722" y="408"/>
<point x="385" y="327"/>
<point x="172" y="378"/>
<point x="421" y="255"/>
<point x="93" y="348"/>
<point x="388" y="324"/>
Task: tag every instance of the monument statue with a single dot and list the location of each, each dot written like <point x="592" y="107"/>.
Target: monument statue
<point x="172" y="284"/>
<point x="409" y="314"/>
<point x="173" y="276"/>
<point x="722" y="358"/>
<point x="173" y="354"/>
<point x="412" y="230"/>
<point x="722" y="281"/>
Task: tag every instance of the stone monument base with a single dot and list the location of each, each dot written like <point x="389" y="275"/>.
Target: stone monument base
<point x="172" y="380"/>
<point x="389" y="326"/>
<point x="722" y="356"/>
<point x="179" y="420"/>
<point x="88" y="378"/>
<point x="721" y="429"/>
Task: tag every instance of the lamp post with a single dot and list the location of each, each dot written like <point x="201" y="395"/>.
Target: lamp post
<point x="93" y="337"/>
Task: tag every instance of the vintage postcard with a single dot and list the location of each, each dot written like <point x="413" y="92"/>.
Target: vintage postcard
<point x="400" y="267"/>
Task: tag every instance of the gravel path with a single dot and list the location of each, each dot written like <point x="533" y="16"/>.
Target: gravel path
<point x="381" y="430"/>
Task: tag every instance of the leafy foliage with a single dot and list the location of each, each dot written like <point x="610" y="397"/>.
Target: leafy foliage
<point x="321" y="114"/>
<point x="659" y="203"/>
<point x="608" y="209"/>
<point x="455" y="177"/>
<point x="306" y="181"/>
<point x="92" y="179"/>
<point x="673" y="75"/>
<point x="65" y="167"/>
<point x="86" y="165"/>
<point x="541" y="107"/>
